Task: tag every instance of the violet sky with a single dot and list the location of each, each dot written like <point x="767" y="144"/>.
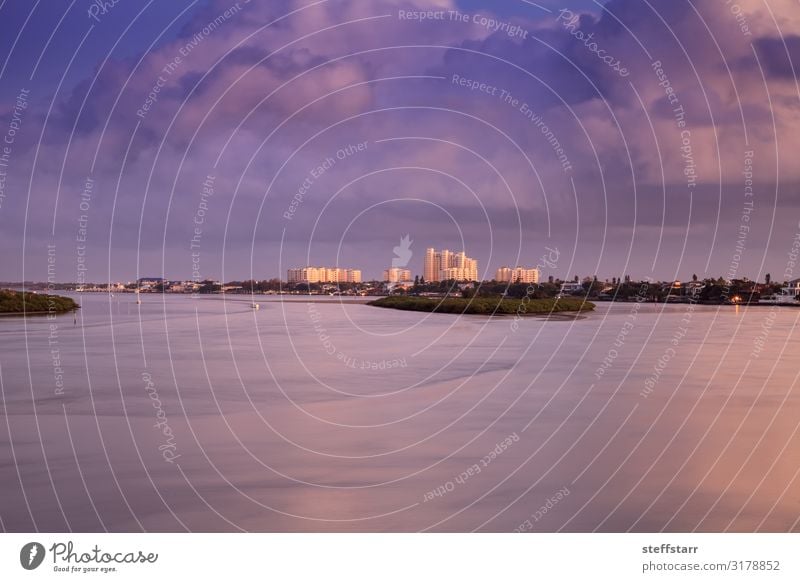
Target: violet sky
<point x="702" y="179"/>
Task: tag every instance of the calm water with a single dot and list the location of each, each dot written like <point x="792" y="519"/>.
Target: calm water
<point x="205" y="414"/>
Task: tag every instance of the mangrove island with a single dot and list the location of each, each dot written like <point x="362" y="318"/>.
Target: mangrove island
<point x="484" y="305"/>
<point x="26" y="303"/>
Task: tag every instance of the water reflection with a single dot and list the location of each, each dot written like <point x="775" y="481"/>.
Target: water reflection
<point x="206" y="414"/>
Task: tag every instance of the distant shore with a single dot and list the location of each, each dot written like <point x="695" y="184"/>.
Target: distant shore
<point x="250" y="299"/>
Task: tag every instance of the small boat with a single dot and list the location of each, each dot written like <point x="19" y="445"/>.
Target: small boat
<point x="255" y="306"/>
<point x="788" y="295"/>
<point x="778" y="299"/>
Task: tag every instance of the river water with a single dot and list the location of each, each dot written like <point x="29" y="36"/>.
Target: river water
<point x="330" y="415"/>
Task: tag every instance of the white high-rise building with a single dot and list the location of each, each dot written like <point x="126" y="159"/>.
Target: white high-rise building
<point x="323" y="275"/>
<point x="445" y="265"/>
<point x="433" y="264"/>
<point x="517" y="275"/>
<point x="397" y="275"/>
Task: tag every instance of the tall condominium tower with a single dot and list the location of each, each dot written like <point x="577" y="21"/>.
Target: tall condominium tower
<point x="445" y="265"/>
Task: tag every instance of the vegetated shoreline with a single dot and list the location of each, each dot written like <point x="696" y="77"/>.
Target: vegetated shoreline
<point x="485" y="305"/>
<point x="26" y="303"/>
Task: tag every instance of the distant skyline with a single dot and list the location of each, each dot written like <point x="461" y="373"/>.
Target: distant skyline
<point x="161" y="139"/>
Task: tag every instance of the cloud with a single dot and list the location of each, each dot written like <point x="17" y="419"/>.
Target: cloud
<point x="271" y="89"/>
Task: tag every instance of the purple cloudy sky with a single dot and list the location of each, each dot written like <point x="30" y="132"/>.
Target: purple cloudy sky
<point x="263" y="97"/>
